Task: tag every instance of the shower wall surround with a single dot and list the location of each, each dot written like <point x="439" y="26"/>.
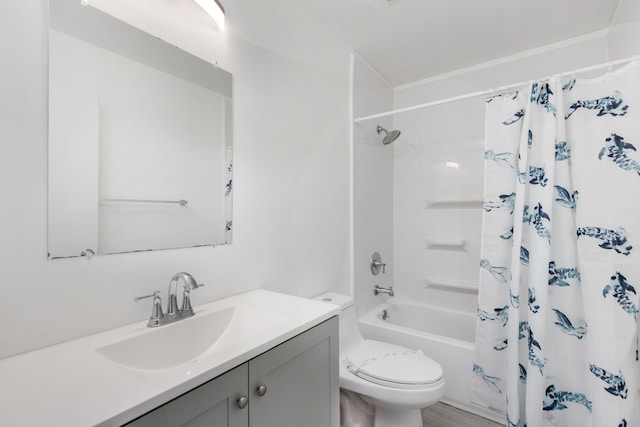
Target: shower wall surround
<point x="438" y="176"/>
<point x="281" y="178"/>
<point x="438" y="169"/>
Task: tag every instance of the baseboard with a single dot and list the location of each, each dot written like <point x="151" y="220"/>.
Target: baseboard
<point x="478" y="410"/>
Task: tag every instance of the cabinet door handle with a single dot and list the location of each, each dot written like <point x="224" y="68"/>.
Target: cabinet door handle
<point x="262" y="390"/>
<point x="242" y="402"/>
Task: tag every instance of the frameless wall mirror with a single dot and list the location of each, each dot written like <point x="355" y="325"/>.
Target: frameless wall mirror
<point x="140" y="139"/>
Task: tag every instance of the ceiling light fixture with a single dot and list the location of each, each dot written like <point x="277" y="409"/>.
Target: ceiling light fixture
<point x="214" y="9"/>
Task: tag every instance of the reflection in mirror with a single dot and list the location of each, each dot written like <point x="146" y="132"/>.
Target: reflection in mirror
<point x="140" y="139"/>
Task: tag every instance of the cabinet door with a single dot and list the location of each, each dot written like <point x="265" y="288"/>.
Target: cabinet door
<point x="213" y="404"/>
<point x="301" y="379"/>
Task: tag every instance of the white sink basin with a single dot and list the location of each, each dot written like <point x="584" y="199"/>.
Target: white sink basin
<point x="186" y="340"/>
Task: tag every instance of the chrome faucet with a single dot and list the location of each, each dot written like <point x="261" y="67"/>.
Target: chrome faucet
<point x="383" y="290"/>
<point x="158" y="317"/>
<point x="189" y="284"/>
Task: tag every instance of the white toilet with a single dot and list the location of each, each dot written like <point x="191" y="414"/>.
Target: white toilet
<point x="398" y="381"/>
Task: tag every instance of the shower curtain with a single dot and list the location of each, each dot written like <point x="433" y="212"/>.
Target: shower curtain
<point x="557" y="334"/>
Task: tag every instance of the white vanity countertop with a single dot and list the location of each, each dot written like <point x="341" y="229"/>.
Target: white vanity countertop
<point x="72" y="384"/>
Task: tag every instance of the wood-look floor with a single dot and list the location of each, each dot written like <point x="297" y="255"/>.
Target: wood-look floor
<point x="442" y="415"/>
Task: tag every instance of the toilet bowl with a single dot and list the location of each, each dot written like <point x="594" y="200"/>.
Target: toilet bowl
<point x="397" y="381"/>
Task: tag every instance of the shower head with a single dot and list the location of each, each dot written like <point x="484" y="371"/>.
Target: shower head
<point x="389" y="137"/>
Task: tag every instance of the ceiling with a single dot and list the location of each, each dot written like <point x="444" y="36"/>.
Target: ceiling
<point x="410" y="40"/>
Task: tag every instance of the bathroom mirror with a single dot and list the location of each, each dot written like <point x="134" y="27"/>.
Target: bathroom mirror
<point x="140" y="140"/>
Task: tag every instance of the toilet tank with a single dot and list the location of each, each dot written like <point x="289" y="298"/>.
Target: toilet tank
<point x="348" y="329"/>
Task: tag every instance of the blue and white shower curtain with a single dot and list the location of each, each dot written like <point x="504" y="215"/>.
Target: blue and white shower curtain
<point x="557" y="334"/>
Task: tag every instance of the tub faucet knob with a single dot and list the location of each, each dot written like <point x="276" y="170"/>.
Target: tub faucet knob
<point x="376" y="263"/>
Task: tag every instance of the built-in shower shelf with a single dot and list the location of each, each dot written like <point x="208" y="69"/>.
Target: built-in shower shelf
<point x="451" y="285"/>
<point x="446" y="244"/>
<point x="471" y="203"/>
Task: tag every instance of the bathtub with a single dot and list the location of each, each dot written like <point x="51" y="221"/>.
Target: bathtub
<point x="446" y="336"/>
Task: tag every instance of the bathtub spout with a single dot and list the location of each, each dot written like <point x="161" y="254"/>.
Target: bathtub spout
<point x="383" y="290"/>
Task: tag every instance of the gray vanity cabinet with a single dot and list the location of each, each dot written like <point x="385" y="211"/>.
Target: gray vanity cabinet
<point x="301" y="380"/>
<point x="213" y="404"/>
<point x="291" y="385"/>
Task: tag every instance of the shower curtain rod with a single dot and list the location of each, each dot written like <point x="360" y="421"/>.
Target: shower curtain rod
<point x="494" y="90"/>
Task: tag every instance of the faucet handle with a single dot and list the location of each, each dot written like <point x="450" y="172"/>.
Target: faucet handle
<point x="156" y="312"/>
<point x="155" y="294"/>
<point x="376" y="263"/>
<point x="186" y="310"/>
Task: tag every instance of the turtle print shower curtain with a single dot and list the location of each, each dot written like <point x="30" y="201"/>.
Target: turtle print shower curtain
<point x="557" y="333"/>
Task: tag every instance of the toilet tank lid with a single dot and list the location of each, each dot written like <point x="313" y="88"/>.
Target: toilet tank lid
<point x="344" y="301"/>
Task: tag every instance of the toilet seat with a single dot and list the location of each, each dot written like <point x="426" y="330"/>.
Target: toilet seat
<point x="391" y="365"/>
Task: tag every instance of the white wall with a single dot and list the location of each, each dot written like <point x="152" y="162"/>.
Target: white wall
<point x="624" y="35"/>
<point x="373" y="185"/>
<point x="291" y="173"/>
